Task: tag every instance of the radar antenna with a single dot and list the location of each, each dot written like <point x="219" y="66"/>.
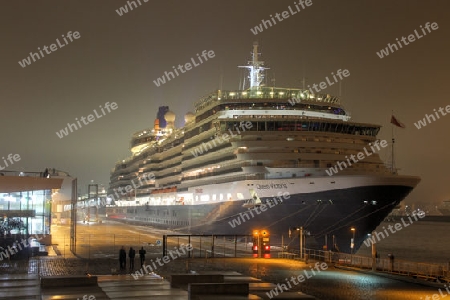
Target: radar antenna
<point x="256" y="68"/>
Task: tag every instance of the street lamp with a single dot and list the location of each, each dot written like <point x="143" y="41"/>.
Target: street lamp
<point x="374" y="252"/>
<point x="300" y="229"/>
<point x="352" y="244"/>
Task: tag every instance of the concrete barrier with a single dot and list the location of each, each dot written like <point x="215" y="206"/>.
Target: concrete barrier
<point x="195" y="289"/>
<point x="68" y="281"/>
<point x="177" y="280"/>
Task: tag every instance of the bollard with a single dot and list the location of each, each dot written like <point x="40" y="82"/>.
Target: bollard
<point x="391" y="262"/>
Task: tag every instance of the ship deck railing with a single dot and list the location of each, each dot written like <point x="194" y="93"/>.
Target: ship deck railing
<point x="265" y="93"/>
<point x="23" y="174"/>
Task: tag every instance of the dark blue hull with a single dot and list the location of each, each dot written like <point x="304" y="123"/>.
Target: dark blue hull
<point x="328" y="216"/>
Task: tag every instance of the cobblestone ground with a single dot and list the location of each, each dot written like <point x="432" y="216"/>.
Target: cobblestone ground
<point x="330" y="284"/>
<point x="55" y="266"/>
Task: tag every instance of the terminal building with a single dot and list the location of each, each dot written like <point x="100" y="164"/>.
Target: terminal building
<point x="31" y="201"/>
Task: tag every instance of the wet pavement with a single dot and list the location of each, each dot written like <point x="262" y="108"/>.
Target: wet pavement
<point x="19" y="287"/>
<point x="332" y="283"/>
<point x="18" y="279"/>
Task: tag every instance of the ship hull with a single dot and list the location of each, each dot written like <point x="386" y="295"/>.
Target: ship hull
<point x="327" y="215"/>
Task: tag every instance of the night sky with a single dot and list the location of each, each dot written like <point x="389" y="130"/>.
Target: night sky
<point x="116" y="58"/>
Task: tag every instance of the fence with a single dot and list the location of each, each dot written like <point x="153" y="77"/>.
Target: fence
<point x="92" y="246"/>
<point x="391" y="265"/>
<point x="210" y="245"/>
<point x="416" y="269"/>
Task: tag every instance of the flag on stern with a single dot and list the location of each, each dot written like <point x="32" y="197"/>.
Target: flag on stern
<point x="397" y="122"/>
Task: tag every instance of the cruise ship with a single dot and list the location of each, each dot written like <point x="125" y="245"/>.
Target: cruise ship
<point x="257" y="158"/>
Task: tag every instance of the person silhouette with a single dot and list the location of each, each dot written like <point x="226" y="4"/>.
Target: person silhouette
<point x="131" y="255"/>
<point x="122" y="258"/>
<point x="142" y="255"/>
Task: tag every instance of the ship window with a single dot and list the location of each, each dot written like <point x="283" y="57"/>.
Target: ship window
<point x="261" y="126"/>
<point x="221" y="197"/>
<point x="214" y="197"/>
<point x="229" y="196"/>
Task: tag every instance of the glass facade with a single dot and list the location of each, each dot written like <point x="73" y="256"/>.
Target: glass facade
<point x="26" y="212"/>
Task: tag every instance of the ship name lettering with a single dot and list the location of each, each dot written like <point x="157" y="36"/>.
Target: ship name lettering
<point x="278" y="186"/>
<point x="271" y="186"/>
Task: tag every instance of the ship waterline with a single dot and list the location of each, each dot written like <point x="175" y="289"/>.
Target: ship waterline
<point x="323" y="206"/>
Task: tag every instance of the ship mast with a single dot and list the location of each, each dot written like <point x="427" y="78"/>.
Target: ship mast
<point x="256" y="68"/>
<point x="393" y="170"/>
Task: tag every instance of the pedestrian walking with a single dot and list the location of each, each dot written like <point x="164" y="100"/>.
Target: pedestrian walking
<point x="142" y="255"/>
<point x="122" y="258"/>
<point x="131" y="255"/>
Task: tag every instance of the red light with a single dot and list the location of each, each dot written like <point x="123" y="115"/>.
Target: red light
<point x="267" y="247"/>
<point x="266" y="255"/>
<point x="255" y="248"/>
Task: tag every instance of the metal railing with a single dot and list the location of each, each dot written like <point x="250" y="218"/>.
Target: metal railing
<point x="391" y="265"/>
<point x="208" y="246"/>
<point x="97" y="246"/>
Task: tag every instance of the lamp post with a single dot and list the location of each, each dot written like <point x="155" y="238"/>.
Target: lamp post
<point x="374" y="253"/>
<point x="353" y="229"/>
<point x="333" y="248"/>
<point x="300" y="229"/>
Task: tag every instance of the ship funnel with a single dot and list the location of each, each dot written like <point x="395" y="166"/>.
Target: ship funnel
<point x="189" y="117"/>
<point x="170" y="119"/>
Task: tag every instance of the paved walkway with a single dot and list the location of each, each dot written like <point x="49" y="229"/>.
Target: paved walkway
<point x="73" y="293"/>
<point x="145" y="287"/>
<point x="19" y="287"/>
<point x="330" y="284"/>
<point x="154" y="287"/>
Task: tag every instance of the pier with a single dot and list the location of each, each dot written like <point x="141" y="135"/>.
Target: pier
<point x="345" y="276"/>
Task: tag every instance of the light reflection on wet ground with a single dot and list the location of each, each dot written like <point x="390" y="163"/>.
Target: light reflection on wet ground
<point x="338" y="284"/>
<point x="330" y="284"/>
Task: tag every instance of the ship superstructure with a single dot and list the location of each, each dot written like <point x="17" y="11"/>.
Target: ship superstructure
<point x="241" y="149"/>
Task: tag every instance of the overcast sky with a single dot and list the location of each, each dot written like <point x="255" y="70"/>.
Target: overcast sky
<point x="116" y="58"/>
